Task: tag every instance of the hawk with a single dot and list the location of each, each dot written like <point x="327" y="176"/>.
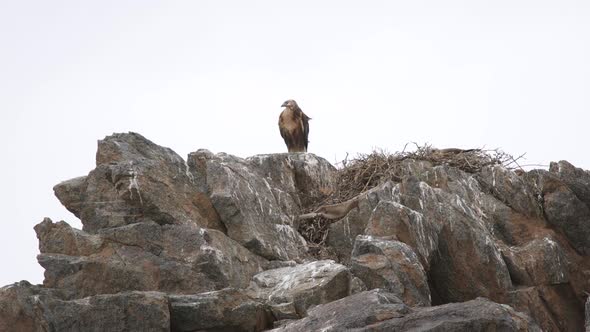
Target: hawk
<point x="294" y="127"/>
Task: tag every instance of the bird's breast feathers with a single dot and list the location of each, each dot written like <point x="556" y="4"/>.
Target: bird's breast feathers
<point x="288" y="120"/>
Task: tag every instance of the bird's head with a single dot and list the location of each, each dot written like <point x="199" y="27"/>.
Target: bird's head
<point x="291" y="104"/>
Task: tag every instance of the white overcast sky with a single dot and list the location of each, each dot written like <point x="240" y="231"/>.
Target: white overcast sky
<point x="212" y="74"/>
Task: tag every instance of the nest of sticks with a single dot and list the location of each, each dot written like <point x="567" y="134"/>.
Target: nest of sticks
<point x="315" y="232"/>
<point x="367" y="171"/>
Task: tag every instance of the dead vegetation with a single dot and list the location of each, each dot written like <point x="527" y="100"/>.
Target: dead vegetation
<point x="366" y="171"/>
<point x="315" y="232"/>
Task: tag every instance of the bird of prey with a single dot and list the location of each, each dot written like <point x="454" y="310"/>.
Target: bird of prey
<point x="294" y="127"/>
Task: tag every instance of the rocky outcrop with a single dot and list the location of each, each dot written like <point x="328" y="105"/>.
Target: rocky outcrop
<point x="554" y="308"/>
<point x="564" y="210"/>
<point x="393" y="266"/>
<point x="143" y="256"/>
<point x="292" y="290"/>
<point x="446" y="228"/>
<point x="257" y="198"/>
<point x="493" y="234"/>
<point x="353" y="312"/>
<point x="224" y="310"/>
<point x="539" y="262"/>
<point x="577" y="179"/>
<point x="211" y="244"/>
<point x="24" y="307"/>
<point x="30" y="308"/>
<point x="134" y="181"/>
<point x="377" y="310"/>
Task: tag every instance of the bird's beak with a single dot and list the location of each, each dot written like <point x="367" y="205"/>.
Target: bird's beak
<point x="284" y="104"/>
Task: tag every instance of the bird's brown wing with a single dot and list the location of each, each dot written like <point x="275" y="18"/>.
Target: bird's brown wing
<point x="299" y="131"/>
<point x="305" y="125"/>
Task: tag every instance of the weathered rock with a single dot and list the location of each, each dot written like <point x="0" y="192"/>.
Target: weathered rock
<point x="468" y="263"/>
<point x="430" y="210"/>
<point x="540" y="262"/>
<point x="554" y="308"/>
<point x="15" y="313"/>
<point x="128" y="311"/>
<point x="256" y="208"/>
<point x="305" y="176"/>
<point x="224" y="310"/>
<point x="587" y="311"/>
<point x="515" y="229"/>
<point x="61" y="238"/>
<point x="575" y="178"/>
<point x="357" y="285"/>
<point x="30" y="308"/>
<point x="302" y="286"/>
<point x="143" y="256"/>
<point x="377" y="310"/>
<point x="476" y="315"/>
<point x="563" y="209"/>
<point x="487" y="211"/>
<point x="271" y="265"/>
<point x="450" y="236"/>
<point x="136" y="180"/>
<point x="155" y="223"/>
<point x="18" y="310"/>
<point x="284" y="312"/>
<point x="529" y="301"/>
<point x="514" y="191"/>
<point x="390" y="218"/>
<point x="352" y="312"/>
<point x="392" y="266"/>
<point x="342" y="233"/>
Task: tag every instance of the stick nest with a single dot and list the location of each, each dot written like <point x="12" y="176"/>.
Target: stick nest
<point x="367" y="171"/>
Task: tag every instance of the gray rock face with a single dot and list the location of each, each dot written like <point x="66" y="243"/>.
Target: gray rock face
<point x="351" y="313"/>
<point x="24" y="307"/>
<point x="142" y="256"/>
<point x="475" y="315"/>
<point x="36" y="309"/>
<point x="446" y="227"/>
<point x="563" y="209"/>
<point x="342" y="234"/>
<point x="455" y="222"/>
<point x="377" y="310"/>
<point x="224" y="310"/>
<point x="392" y="266"/>
<point x="587" y="310"/>
<point x="472" y="233"/>
<point x="511" y="189"/>
<point x="575" y="178"/>
<point x="136" y="180"/>
<point x="257" y="198"/>
<point x="305" y="176"/>
<point x="390" y="218"/>
<point x="540" y="262"/>
<point x="554" y="308"/>
<point x="129" y="311"/>
<point x="292" y="290"/>
<point x="17" y="307"/>
<point x="211" y="245"/>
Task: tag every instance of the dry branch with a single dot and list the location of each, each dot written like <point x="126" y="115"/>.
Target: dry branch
<point x="356" y="176"/>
